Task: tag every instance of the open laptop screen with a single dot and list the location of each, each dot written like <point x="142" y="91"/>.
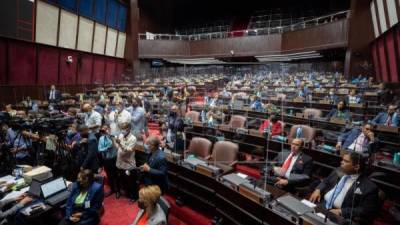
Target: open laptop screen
<point x="53" y="187"/>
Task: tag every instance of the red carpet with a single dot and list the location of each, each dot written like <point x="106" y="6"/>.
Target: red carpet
<point x="122" y="212"/>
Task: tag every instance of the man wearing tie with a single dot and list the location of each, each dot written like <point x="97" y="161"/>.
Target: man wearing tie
<point x="347" y="192"/>
<point x="361" y="140"/>
<point x="295" y="169"/>
<point x="53" y="95"/>
<point x="390" y="118"/>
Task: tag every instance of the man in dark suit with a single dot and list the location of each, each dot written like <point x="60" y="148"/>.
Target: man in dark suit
<point x="295" y="167"/>
<point x="389" y="118"/>
<point x="87" y="155"/>
<point x="53" y="95"/>
<point x="361" y="140"/>
<point x="347" y="192"/>
<point x="340" y="112"/>
<point x="155" y="169"/>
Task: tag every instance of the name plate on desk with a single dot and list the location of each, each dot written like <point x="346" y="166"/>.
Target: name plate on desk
<point x="257" y="195"/>
<point x="387" y="129"/>
<point x="338" y="121"/>
<point x="368" y="93"/>
<point x="298" y="99"/>
<point x="274" y="98"/>
<point x="256" y="133"/>
<point x="324" y="102"/>
<point x="197" y="124"/>
<point x="247" y="109"/>
<point x="207" y="170"/>
<point x="224" y="127"/>
<point x="299" y="115"/>
<point x="356" y="105"/>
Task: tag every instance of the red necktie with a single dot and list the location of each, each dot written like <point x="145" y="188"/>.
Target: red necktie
<point x="287" y="163"/>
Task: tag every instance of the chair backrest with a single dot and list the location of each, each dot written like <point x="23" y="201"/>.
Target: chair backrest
<point x="193" y="115"/>
<point x="225" y="152"/>
<point x="311" y="112"/>
<point x="200" y="147"/>
<point x="308" y="133"/>
<point x="237" y="121"/>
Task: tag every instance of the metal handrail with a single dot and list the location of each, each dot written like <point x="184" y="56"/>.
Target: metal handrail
<point x="248" y="32"/>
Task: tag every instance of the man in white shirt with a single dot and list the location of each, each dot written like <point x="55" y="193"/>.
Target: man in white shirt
<point x="53" y="95"/>
<point x="295" y="169"/>
<point x="358" y="140"/>
<point x="118" y="117"/>
<point x="138" y="117"/>
<point x="126" y="162"/>
<point x="347" y="192"/>
<point x="93" y="119"/>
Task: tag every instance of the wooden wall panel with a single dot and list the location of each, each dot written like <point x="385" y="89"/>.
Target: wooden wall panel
<point x="99" y="41"/>
<point x="85" y="35"/>
<point x="330" y="35"/>
<point x="121" y="45"/>
<point x="111" y="42"/>
<point x="46" y="23"/>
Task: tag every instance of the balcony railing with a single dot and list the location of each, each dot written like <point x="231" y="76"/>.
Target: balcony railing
<point x="250" y="32"/>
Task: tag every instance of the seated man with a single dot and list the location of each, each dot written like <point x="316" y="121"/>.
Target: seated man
<point x="341" y="112"/>
<point x="155" y="169"/>
<point x="332" y="97"/>
<point x="85" y="201"/>
<point x="272" y="126"/>
<point x="389" y="118"/>
<point x="353" y="97"/>
<point x="347" y="192"/>
<point x="256" y="104"/>
<point x="295" y="167"/>
<point x="361" y="140"/>
<point x="215" y="115"/>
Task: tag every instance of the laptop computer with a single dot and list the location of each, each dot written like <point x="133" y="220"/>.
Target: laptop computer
<point x="55" y="191"/>
<point x="294" y="205"/>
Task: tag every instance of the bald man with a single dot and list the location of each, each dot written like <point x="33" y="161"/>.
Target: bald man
<point x="93" y="119"/>
<point x="295" y="167"/>
<point x="155" y="169"/>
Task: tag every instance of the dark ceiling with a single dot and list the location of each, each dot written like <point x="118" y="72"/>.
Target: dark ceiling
<point x="187" y="12"/>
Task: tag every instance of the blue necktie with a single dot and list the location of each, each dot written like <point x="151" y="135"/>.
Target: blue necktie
<point x="337" y="190"/>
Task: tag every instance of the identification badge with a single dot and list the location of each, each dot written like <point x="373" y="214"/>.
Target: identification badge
<point x="87" y="204"/>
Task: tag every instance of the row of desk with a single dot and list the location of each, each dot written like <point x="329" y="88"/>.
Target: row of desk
<point x="256" y="144"/>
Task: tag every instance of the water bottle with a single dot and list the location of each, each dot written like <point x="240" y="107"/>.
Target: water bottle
<point x="299" y="132"/>
<point x="396" y="159"/>
<point x="203" y="116"/>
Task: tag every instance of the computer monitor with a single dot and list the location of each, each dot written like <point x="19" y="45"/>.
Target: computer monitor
<point x="53" y="187"/>
<point x="34" y="188"/>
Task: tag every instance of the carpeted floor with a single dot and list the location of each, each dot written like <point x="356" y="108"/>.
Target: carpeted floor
<point x="122" y="211"/>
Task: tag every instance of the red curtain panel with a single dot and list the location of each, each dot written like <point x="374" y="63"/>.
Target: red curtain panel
<point x="68" y="69"/>
<point x="3" y="61"/>
<point x="98" y="69"/>
<point x="22" y="63"/>
<point x="47" y="65"/>
<point x="110" y="71"/>
<point x="382" y="60"/>
<point x="85" y="66"/>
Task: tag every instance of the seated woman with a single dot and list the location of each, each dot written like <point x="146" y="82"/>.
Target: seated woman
<point x="340" y="112"/>
<point x="272" y="125"/>
<point x="150" y="212"/>
<point x="85" y="201"/>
